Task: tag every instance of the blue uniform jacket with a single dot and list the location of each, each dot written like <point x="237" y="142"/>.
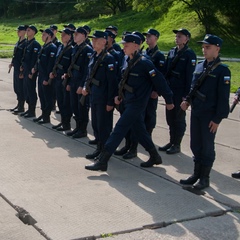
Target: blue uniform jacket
<point x="156" y="57"/>
<point x="117" y="56"/>
<point x="80" y="74"/>
<point x="31" y="55"/>
<point x="18" y="53"/>
<point x="181" y="77"/>
<point x="216" y="88"/>
<point x="142" y="78"/>
<point x="65" y="60"/>
<point x="47" y="60"/>
<point x="106" y="75"/>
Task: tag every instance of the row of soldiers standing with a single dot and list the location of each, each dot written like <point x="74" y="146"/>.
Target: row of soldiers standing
<point x="83" y="76"/>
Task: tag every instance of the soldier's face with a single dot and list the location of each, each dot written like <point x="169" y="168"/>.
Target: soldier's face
<point x="78" y="37"/>
<point x="65" y="37"/>
<point x="210" y="51"/>
<point x="151" y="39"/>
<point x="129" y="48"/>
<point x="181" y="39"/>
<point x="21" y="33"/>
<point x="30" y="32"/>
<point x="98" y="43"/>
<point x="45" y="36"/>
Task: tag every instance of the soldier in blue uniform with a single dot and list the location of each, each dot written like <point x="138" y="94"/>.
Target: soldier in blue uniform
<point x="114" y="30"/>
<point x="29" y="61"/>
<point x="103" y="87"/>
<point x="60" y="68"/>
<point x="44" y="66"/>
<point x="179" y="67"/>
<point x="88" y="29"/>
<point x="210" y="105"/>
<point x="78" y="73"/>
<point x="136" y="87"/>
<point x="16" y="63"/>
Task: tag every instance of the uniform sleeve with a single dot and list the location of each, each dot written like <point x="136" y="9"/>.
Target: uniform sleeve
<point x="51" y="61"/>
<point x="160" y="61"/>
<point x="111" y="81"/>
<point x="160" y="83"/>
<point x="190" y="67"/>
<point x="222" y="108"/>
<point x="35" y="51"/>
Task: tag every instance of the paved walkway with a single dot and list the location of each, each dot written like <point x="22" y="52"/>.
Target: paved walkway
<point x="43" y="182"/>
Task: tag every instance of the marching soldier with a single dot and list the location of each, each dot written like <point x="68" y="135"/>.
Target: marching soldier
<point x="102" y="86"/>
<point x="60" y="68"/>
<point x="135" y="89"/>
<point x="44" y="67"/>
<point x="29" y="61"/>
<point x="16" y="63"/>
<point x="210" y="105"/>
<point x="77" y="73"/>
<point x="179" y="67"/>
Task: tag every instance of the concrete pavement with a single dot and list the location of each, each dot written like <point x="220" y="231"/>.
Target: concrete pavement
<point x="42" y="171"/>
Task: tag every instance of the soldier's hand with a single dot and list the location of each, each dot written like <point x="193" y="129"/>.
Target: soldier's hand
<point x="213" y="127"/>
<point x="45" y="83"/>
<point x="117" y="101"/>
<point x="65" y="76"/>
<point x="10" y="65"/>
<point x="154" y="95"/>
<point x="109" y="108"/>
<point x="184" y="105"/>
<point x="84" y="92"/>
<point x="30" y="76"/>
<point x="33" y="70"/>
<point x="79" y="90"/>
<point x="21" y="69"/>
<point x="68" y="88"/>
<point x="169" y="106"/>
<point x="51" y="75"/>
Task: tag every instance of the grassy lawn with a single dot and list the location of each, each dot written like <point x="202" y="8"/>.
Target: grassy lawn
<point x="177" y="17"/>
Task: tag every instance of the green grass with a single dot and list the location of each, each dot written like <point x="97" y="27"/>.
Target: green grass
<point x="177" y="17"/>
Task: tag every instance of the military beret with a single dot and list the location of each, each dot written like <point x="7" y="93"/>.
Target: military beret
<point x="140" y="35"/>
<point x="87" y="28"/>
<point x="48" y="31"/>
<point x="183" y="31"/>
<point x="212" y="39"/>
<point x="33" y="28"/>
<point x="22" y="27"/>
<point x="99" y="34"/>
<point x="110" y="34"/>
<point x="152" y="31"/>
<point x="67" y="31"/>
<point x="131" y="38"/>
<point x="114" y="28"/>
<point x="70" y="25"/>
<point x="53" y="27"/>
<point x="81" y="30"/>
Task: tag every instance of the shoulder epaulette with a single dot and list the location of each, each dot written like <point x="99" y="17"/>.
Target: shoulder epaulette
<point x="224" y="65"/>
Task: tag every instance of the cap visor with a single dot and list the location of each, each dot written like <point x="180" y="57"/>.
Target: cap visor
<point x="203" y="42"/>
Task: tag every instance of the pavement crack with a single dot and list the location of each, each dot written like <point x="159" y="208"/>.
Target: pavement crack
<point x="25" y="217"/>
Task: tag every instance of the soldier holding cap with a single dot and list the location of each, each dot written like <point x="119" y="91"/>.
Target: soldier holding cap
<point x="16" y="63"/>
<point x="102" y="86"/>
<point x="77" y="74"/>
<point x="179" y="68"/>
<point x="45" y="63"/>
<point x="29" y="61"/>
<point x="208" y="112"/>
<point x="136" y="86"/>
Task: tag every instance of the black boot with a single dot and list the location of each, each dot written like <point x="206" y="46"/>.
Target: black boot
<point x="31" y="112"/>
<point x="204" y="178"/>
<point x="65" y="124"/>
<point x="194" y="177"/>
<point x="58" y="125"/>
<point x="38" y="118"/>
<point x="45" y="117"/>
<point x="155" y="158"/>
<point x="124" y="149"/>
<point x="101" y="163"/>
<point x="96" y="152"/>
<point x="75" y="129"/>
<point x="93" y="142"/>
<point x="82" y="130"/>
<point x="12" y="109"/>
<point x="174" y="149"/>
<point x="26" y="112"/>
<point x="132" y="152"/>
<point x="165" y="147"/>
<point x="20" y="108"/>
